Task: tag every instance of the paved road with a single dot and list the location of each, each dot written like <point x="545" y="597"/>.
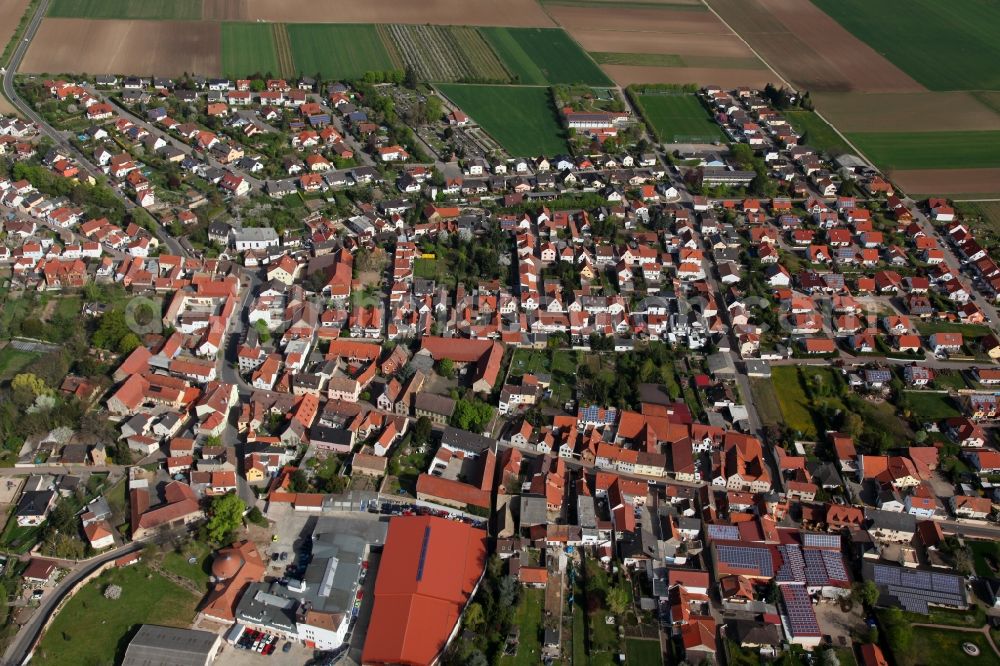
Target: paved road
<point x="22" y="645"/>
<point x="62" y="469"/>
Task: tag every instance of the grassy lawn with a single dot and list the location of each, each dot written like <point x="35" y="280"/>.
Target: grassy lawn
<point x="765" y="400"/>
<point x="678" y="118"/>
<point x="522" y="119"/>
<point x="147" y="598"/>
<point x="940" y="647"/>
<point x="425" y="269"/>
<point x="18" y="539"/>
<point x="931" y="406"/>
<point x="248" y="48"/>
<point x="338" y="51"/>
<point x="198" y="573"/>
<point x="983" y="552"/>
<point x="69" y="307"/>
<point x="529" y="619"/>
<point x="560" y="364"/>
<point x="126" y="9"/>
<point x="967" y="330"/>
<point x="949" y="379"/>
<point x="12" y="361"/>
<point x="639" y="652"/>
<point x="930" y="150"/>
<point x="882" y="416"/>
<point x="817" y="132"/>
<point x="943" y="45"/>
<point x="793" y="400"/>
<point x="538" y="56"/>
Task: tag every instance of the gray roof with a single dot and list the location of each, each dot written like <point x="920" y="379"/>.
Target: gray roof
<point x="891" y="520"/>
<point x="436" y="404"/>
<point x="255" y="234"/>
<point x="463" y="440"/>
<point x="167" y="646"/>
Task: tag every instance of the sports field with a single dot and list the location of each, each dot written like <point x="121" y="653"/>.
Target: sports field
<point x="537" y="56"/>
<point x="943" y="45"/>
<point x="678" y="118"/>
<point x="930" y="150"/>
<point x="523" y="119"/>
<point x="248" y="48"/>
<point x="177" y="10"/>
<point x="338" y="51"/>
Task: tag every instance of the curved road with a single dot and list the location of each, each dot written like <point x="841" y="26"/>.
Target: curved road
<point x="22" y="645"/>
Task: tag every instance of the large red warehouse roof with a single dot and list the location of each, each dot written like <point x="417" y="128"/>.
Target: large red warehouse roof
<point x="429" y="569"/>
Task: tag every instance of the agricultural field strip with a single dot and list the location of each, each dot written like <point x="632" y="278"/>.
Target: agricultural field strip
<point x="930" y="150"/>
<point x="444" y="53"/>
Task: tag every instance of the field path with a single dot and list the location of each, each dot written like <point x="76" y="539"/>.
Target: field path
<point x="283" y="48"/>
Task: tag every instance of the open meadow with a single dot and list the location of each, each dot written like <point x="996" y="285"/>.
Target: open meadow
<point x="943" y="45"/>
<point x="175" y="10"/>
<point x="248" y="48"/>
<point x="930" y="150"/>
<point x="523" y="119"/>
<point x="338" y="51"/>
<point x="544" y="56"/>
<point x="678" y="118"/>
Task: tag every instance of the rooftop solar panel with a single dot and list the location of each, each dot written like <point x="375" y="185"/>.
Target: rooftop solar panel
<point x="799" y="611"/>
<point x="820" y="540"/>
<point x="722" y="532"/>
<point x="747" y="557"/>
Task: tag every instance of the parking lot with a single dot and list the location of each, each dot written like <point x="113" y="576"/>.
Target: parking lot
<point x="298" y="655"/>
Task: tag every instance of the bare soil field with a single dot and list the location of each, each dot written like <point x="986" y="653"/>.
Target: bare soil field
<point x="634" y="41"/>
<point x="811" y="49"/>
<point x="646" y="20"/>
<point x="625" y="75"/>
<point x="166" y="48"/>
<point x="225" y="10"/>
<point x="948" y="181"/>
<point x="906" y="112"/>
<point x="11" y="12"/>
<point x="510" y="13"/>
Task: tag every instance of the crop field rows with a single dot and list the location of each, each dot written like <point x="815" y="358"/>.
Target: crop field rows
<point x="283" y="48"/>
<point x="444" y="53"/>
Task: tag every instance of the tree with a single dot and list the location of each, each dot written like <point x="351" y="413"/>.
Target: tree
<point x="474" y="617"/>
<point x="473" y="415"/>
<point x="256" y="517"/>
<point x="28" y="383"/>
<point x="446" y="368"/>
<point x="225" y="517"/>
<point x="854" y="425"/>
<point x="830" y="658"/>
<point x="618" y="600"/>
<point x="422" y="431"/>
<point x="865" y="593"/>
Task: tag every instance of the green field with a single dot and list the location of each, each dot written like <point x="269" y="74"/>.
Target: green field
<point x="147" y="597"/>
<point x="248" y="48"/>
<point x="678" y="118"/>
<point x="672" y="60"/>
<point x="942" y="647"/>
<point x="529" y="619"/>
<point x="522" y="119"/>
<point x="930" y="150"/>
<point x="766" y="401"/>
<point x="817" y="132"/>
<point x="639" y="652"/>
<point x="943" y="45"/>
<point x="445" y="53"/>
<point x="538" y="56"/>
<point x="12" y="361"/>
<point x="338" y="51"/>
<point x="927" y="406"/>
<point x="972" y="331"/>
<point x="188" y="10"/>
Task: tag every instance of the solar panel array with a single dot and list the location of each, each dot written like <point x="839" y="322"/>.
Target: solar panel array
<point x="820" y="540"/>
<point x="793" y="567"/>
<point x="592" y="414"/>
<point x="824" y="566"/>
<point x="423" y="553"/>
<point x="799" y="610"/>
<point x="916" y="589"/>
<point x="747" y="557"/>
<point x="722" y="532"/>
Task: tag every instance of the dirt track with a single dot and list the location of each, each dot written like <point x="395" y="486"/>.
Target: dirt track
<point x="527" y="13"/>
<point x="906" y="112"/>
<point x="811" y="49"/>
<point x="625" y="75"/>
<point x="949" y="181"/>
<point x="167" y="48"/>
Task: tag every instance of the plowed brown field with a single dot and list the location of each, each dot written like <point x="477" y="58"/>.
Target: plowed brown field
<point x="906" y="112"/>
<point x="225" y="10"/>
<point x="621" y="41"/>
<point x="727" y="78"/>
<point x="645" y="20"/>
<point x="166" y="48"/>
<point x="509" y="13"/>
<point x="949" y="181"/>
<point x="811" y="49"/>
